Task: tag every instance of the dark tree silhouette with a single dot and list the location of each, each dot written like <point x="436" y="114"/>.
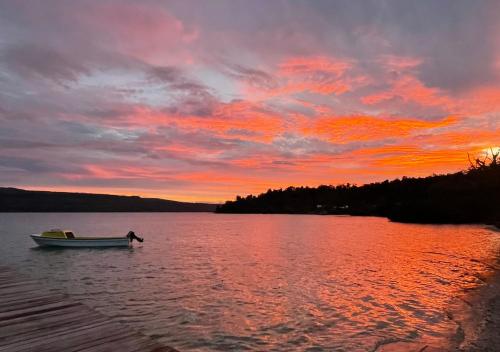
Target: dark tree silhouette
<point x="479" y="164"/>
<point x="464" y="197"/>
<point x="494" y="156"/>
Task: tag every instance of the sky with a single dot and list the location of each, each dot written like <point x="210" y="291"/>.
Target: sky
<point x="206" y="100"/>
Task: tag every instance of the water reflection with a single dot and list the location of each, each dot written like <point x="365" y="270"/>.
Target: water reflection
<point x="263" y="282"/>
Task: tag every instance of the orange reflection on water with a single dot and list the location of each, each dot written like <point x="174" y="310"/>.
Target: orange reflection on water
<point x="207" y="282"/>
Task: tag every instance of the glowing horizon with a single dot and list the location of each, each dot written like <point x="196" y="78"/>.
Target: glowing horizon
<point x="196" y="101"/>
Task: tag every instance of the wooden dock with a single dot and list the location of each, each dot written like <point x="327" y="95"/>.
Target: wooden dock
<point x="35" y="318"/>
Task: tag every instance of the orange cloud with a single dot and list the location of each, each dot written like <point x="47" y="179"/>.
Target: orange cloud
<point x="241" y="119"/>
<point x="424" y="161"/>
<point x="313" y="65"/>
<point x="319" y="75"/>
<point x="471" y="140"/>
<point x="365" y="128"/>
<point x="400" y="62"/>
<point x="426" y="154"/>
<point x="480" y="100"/>
<point x="393" y="161"/>
<point x="125" y="172"/>
<point x="245" y="120"/>
<point x="411" y="89"/>
<point x="324" y="88"/>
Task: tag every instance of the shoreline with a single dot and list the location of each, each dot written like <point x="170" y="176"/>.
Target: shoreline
<point x="477" y="314"/>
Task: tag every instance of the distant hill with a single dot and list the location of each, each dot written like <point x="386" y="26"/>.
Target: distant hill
<point x="466" y="197"/>
<point x="18" y="200"/>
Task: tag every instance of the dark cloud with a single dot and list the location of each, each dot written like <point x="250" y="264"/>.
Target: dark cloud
<point x="166" y="74"/>
<point x="34" y="61"/>
<point x="192" y="105"/>
<point x="26" y="164"/>
<point x="190" y="97"/>
<point x="176" y="80"/>
<point x="254" y="77"/>
<point x="242" y="132"/>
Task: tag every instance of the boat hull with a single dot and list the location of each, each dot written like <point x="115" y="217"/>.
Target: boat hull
<point x="81" y="242"/>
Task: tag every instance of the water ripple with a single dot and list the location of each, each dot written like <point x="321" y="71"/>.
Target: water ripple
<point x="205" y="282"/>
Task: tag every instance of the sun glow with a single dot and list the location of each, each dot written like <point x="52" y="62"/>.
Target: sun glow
<point x="490" y="152"/>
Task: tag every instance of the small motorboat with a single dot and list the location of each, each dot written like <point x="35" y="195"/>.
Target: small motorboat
<point x="65" y="238"/>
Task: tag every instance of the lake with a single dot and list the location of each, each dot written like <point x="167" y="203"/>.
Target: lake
<point x="204" y="282"/>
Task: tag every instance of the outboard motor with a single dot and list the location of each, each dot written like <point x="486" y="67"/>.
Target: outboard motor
<point x="132" y="236"/>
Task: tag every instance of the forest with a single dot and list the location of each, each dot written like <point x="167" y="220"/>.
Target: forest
<point x="470" y="196"/>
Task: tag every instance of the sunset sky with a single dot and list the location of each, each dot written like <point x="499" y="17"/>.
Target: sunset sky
<point x="204" y="100"/>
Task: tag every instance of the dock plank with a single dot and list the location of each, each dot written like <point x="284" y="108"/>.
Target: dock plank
<point x="20" y="331"/>
<point x="35" y="318"/>
<point x="40" y="318"/>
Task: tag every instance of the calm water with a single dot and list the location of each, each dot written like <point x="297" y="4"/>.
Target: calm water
<point x="262" y="282"/>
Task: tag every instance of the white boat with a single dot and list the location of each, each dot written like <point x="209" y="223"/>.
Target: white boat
<point x="65" y="238"/>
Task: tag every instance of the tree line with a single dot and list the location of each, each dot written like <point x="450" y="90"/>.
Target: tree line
<point x="470" y="196"/>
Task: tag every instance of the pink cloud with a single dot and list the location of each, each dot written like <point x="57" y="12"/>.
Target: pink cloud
<point x="320" y="75"/>
<point x="400" y="62"/>
<point x="147" y="32"/>
<point x="409" y="88"/>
